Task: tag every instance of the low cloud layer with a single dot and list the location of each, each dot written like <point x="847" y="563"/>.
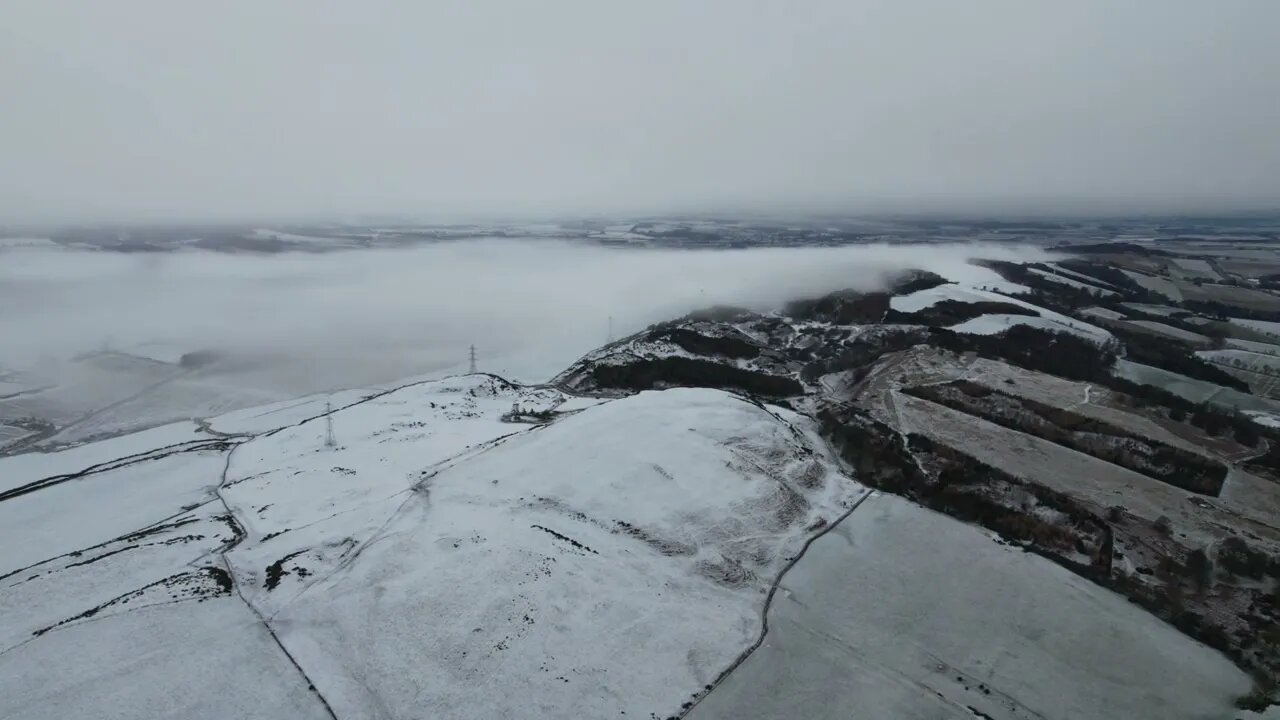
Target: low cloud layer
<point x="350" y="318"/>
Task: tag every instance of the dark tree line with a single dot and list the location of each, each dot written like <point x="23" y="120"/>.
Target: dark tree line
<point x="846" y="307"/>
<point x="1055" y="353"/>
<point x="952" y="312"/>
<point x="1175" y="357"/>
<point x="646" y="374"/>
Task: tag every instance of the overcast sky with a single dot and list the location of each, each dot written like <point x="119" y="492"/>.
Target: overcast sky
<point x="236" y="109"/>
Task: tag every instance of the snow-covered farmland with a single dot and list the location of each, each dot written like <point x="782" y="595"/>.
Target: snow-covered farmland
<point x="1256" y="347"/>
<point x="901" y="612"/>
<point x="921" y="299"/>
<point x="1196" y="268"/>
<point x="1170" y="331"/>
<point x="1265" y="327"/>
<point x="1080" y="276"/>
<point x="1166" y="310"/>
<point x="1252" y="361"/>
<point x="1194" y="390"/>
<point x="1079" y="284"/>
<point x="990" y="324"/>
<point x="1155" y="284"/>
<point x="998" y="323"/>
<point x="1102" y="313"/>
<point x="1096" y="481"/>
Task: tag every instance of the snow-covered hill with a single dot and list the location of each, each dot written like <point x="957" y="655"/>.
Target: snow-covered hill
<point x="469" y="549"/>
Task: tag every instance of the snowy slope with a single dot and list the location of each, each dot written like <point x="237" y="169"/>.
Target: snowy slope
<point x="1155" y="284"/>
<point x="990" y="324"/>
<point x="1253" y="361"/>
<point x="1262" y="326"/>
<point x="262" y="418"/>
<point x="1170" y="331"/>
<point x="16" y="470"/>
<point x="1255" y="347"/>
<point x="1053" y="277"/>
<point x="998" y="323"/>
<point x="1102" y="313"/>
<point x="470" y="548"/>
<point x="1080" y="276"/>
<point x="901" y="612"/>
<point x="610" y="562"/>
<point x="921" y="299"/>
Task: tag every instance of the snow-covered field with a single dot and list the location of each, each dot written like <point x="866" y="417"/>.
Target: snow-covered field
<point x="1253" y="361"/>
<point x="454" y="556"/>
<point x="998" y="323"/>
<point x="1262" y="326"/>
<point x="1196" y="268"/>
<point x="1079" y="284"/>
<point x="1166" y="310"/>
<point x="1171" y="331"/>
<point x="991" y="324"/>
<point x="1194" y="390"/>
<point x="1102" y="313"/>
<point x="1155" y="284"/>
<point x="904" y="613"/>
<point x="1082" y="476"/>
<point x="18" y="470"/>
<point x="1256" y="347"/>
<point x="96" y="508"/>
<point x="1080" y="276"/>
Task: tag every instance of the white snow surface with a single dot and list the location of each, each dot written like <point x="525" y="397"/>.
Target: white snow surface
<point x="1080" y="276"/>
<point x="1262" y="326"/>
<point x="922" y="299"/>
<point x="18" y="470"/>
<point x="1072" y="282"/>
<point x="1246" y="359"/>
<point x="1160" y="285"/>
<point x="901" y="612"/>
<point x="1166" y="310"/>
<point x="1195" y="267"/>
<point x="96" y="508"/>
<point x="471" y="548"/>
<point x="1102" y="313"/>
<point x="182" y="660"/>
<point x="990" y="324"/>
<point x="1252" y="346"/>
<point x="997" y="323"/>
<point x="1265" y="418"/>
<point x="612" y="561"/>
<point x="1171" y="331"/>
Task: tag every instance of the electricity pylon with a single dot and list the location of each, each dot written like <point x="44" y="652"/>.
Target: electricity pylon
<point x="329" y="440"/>
<point x="473" y="359"/>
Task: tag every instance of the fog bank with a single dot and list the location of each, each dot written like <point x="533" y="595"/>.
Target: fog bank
<point x="359" y="317"/>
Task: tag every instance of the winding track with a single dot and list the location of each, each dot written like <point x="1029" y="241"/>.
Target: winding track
<point x="768" y="603"/>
